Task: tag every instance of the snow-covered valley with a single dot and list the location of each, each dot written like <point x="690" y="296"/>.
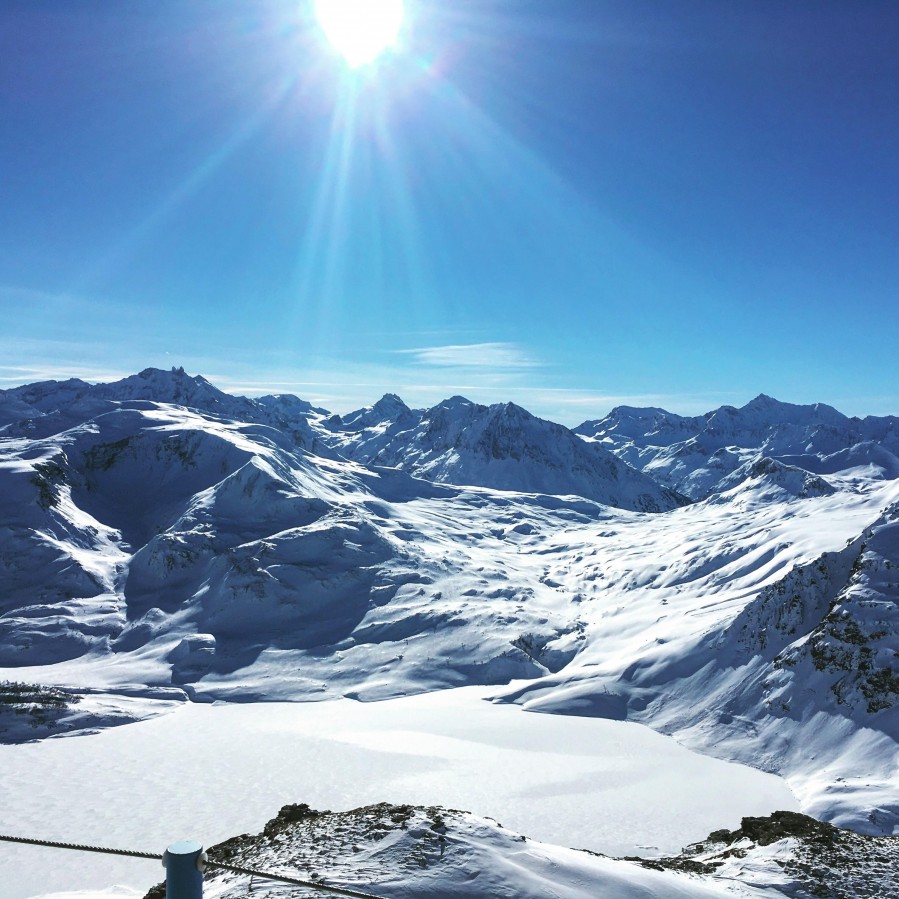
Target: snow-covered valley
<point x="729" y="580"/>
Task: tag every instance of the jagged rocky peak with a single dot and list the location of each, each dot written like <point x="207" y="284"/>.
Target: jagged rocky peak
<point x="390" y="405"/>
<point x="642" y="414"/>
<point x="452" y="412"/>
<point x="505" y="447"/>
<point x="502" y="446"/>
<point x="623" y="419"/>
<point x="763" y="401"/>
<point x="390" y="408"/>
<point x="179" y="388"/>
<point x="459" y="422"/>
<point x="774" y="409"/>
<point x="511" y="415"/>
<point x="724" y="416"/>
<point x="456" y="403"/>
<point x="686" y="453"/>
<point x="515" y="421"/>
<point x="512" y="410"/>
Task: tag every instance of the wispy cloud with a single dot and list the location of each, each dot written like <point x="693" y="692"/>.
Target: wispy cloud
<point x="14" y="375"/>
<point x="497" y="355"/>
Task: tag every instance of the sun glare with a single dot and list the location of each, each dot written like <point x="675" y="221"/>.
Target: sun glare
<point x="360" y="30"/>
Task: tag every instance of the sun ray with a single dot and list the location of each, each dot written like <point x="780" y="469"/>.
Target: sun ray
<point x="117" y="254"/>
<point x="319" y="262"/>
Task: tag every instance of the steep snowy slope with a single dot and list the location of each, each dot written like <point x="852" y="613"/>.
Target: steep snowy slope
<point x="696" y="455"/>
<point x="739" y="648"/>
<point x="501" y="446"/>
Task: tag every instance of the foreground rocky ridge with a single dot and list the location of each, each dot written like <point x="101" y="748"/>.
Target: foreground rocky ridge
<point x="404" y="851"/>
<point x="813" y="858"/>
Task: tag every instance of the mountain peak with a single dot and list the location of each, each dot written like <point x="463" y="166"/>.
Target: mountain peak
<point x="390" y="402"/>
<point x="763" y="401"/>
<point x="388" y="409"/>
<point x="511" y="410"/>
<point x="457" y="401"/>
<point x="169" y="386"/>
<point x="768" y="410"/>
<point x="175" y="373"/>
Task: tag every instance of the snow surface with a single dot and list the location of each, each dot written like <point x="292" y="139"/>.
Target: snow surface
<point x="207" y="772"/>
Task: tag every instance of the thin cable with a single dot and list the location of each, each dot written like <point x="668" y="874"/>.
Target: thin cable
<point x="81" y="848"/>
<point x="210" y="863"/>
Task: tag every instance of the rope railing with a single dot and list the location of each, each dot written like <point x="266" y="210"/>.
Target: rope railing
<point x="80" y="847"/>
<point x="185" y="862"/>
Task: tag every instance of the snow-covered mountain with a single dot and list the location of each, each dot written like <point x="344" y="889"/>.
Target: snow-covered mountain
<point x="208" y="541"/>
<point x="501" y="446"/>
<point x="160" y="532"/>
<point x="34" y="400"/>
<point x="695" y="455"/>
<point x="50" y="407"/>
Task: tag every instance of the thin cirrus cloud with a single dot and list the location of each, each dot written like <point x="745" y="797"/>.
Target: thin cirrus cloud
<point x="497" y="356"/>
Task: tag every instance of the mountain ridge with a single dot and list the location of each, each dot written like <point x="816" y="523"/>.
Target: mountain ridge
<point x="694" y="455"/>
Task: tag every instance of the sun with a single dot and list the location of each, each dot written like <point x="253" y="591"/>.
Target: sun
<point x="360" y="30"/>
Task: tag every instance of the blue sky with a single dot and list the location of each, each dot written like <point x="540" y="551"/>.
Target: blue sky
<point x="568" y="204"/>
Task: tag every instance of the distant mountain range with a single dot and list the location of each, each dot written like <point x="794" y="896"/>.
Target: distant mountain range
<point x="505" y="447"/>
<point x="697" y="455"/>
<point x="731" y="578"/>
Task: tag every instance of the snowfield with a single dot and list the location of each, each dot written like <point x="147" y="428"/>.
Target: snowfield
<point x="161" y="541"/>
<point x="208" y="772"/>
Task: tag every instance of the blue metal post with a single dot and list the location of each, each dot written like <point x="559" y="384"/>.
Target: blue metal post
<point x="183" y="863"/>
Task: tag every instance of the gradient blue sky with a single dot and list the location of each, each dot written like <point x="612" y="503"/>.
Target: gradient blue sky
<point x="566" y="203"/>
